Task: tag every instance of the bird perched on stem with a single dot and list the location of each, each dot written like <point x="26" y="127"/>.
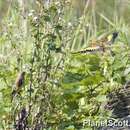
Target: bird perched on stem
<point x="20" y="80"/>
<point x="99" y="45"/>
<point x="18" y="83"/>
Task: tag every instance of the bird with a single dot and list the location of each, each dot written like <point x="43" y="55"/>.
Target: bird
<point x="99" y="45"/>
<point x="18" y="83"/>
<point x="20" y="80"/>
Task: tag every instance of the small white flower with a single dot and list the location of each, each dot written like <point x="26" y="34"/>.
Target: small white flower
<point x="70" y="24"/>
<point x="35" y="18"/>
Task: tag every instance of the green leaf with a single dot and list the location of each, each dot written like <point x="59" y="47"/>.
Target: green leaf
<point x="70" y="128"/>
<point x="93" y="79"/>
<point x="72" y="77"/>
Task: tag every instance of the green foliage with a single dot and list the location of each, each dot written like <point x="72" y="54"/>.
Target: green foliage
<point x="61" y="89"/>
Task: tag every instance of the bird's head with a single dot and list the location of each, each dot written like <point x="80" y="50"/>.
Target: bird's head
<point x="114" y="35"/>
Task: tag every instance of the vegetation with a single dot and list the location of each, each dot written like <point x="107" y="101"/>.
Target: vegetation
<point x="61" y="90"/>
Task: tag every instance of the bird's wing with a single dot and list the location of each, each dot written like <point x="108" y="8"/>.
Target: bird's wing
<point x="88" y="50"/>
